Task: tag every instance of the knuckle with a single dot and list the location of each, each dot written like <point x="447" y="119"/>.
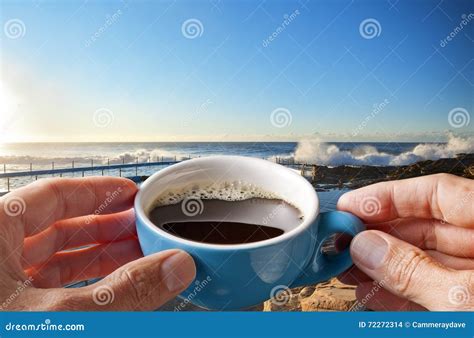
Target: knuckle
<point x="51" y="184"/>
<point x="48" y="184"/>
<point x="402" y="270"/>
<point x="133" y="281"/>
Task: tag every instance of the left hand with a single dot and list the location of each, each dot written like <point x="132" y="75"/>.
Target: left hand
<point x="42" y="222"/>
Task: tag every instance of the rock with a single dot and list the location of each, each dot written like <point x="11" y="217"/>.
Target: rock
<point x="329" y="296"/>
<point x="355" y="177"/>
<point x="286" y="300"/>
<point x="307" y="291"/>
<point x="469" y="172"/>
<point x="333" y="296"/>
<point x="291" y="304"/>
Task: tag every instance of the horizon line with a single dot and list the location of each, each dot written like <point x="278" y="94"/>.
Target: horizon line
<point x="227" y="141"/>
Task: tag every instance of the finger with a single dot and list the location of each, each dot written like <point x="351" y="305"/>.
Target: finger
<point x="443" y="197"/>
<point x="77" y="232"/>
<point x="354" y="276"/>
<point x="374" y="297"/>
<point x="410" y="273"/>
<point x="144" y="284"/>
<point x="49" y="200"/>
<point x="93" y="262"/>
<point x="429" y="234"/>
<point x="452" y="262"/>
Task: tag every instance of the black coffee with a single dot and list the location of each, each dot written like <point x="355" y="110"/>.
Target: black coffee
<point x="227" y="222"/>
<point x="222" y="232"/>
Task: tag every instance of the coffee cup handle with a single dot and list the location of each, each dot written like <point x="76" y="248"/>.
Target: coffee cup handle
<point x="324" y="266"/>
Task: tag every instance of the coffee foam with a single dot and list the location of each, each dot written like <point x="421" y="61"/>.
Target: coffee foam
<point x="226" y="191"/>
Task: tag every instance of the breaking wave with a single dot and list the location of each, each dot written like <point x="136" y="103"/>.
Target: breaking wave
<point x="143" y="155"/>
<point x="313" y="151"/>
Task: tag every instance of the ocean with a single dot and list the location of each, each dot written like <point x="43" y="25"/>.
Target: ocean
<point x="19" y="156"/>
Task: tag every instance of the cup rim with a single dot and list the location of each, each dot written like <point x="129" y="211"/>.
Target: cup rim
<point x="141" y="214"/>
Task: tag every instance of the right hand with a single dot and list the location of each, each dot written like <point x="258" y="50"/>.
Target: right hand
<point x="419" y="247"/>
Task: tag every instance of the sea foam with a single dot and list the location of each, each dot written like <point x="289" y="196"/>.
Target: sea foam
<point x="314" y="151"/>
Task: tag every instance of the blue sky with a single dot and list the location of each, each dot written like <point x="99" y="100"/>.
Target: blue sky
<point x="116" y="71"/>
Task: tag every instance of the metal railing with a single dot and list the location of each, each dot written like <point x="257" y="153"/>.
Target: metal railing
<point x="7" y="175"/>
<point x="102" y="168"/>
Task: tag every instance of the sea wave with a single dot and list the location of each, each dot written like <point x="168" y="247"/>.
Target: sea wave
<point x="311" y="151"/>
<point x="143" y="155"/>
<point x="314" y="151"/>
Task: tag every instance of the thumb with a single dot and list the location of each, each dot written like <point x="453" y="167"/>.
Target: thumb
<point x="144" y="284"/>
<point x="409" y="272"/>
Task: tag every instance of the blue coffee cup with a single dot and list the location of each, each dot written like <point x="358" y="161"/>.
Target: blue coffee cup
<point x="237" y="276"/>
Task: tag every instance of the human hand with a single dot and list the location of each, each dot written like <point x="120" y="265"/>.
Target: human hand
<point x="39" y="222"/>
<point x="418" y="252"/>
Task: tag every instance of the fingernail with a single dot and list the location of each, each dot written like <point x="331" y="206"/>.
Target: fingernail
<point x="343" y="200"/>
<point x="369" y="250"/>
<point x="178" y="271"/>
